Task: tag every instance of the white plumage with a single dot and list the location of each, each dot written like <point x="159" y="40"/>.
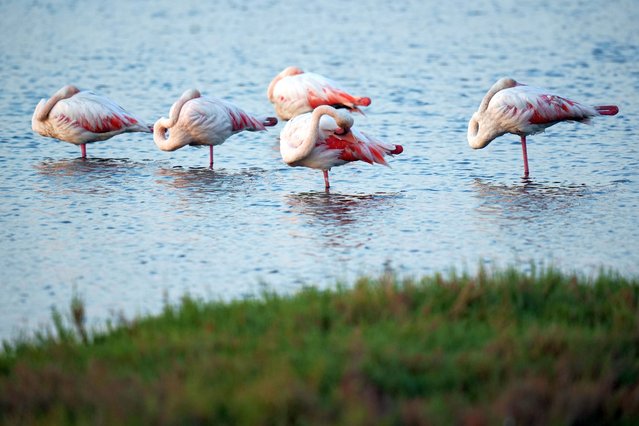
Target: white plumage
<point x="295" y="92"/>
<point x="326" y="138"/>
<point x="512" y="107"/>
<point x="197" y="120"/>
<point x="81" y="117"/>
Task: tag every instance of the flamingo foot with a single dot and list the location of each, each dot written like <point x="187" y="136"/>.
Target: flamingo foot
<point x="525" y="155"/>
<point x="326" y="184"/>
<point x="83" y="149"/>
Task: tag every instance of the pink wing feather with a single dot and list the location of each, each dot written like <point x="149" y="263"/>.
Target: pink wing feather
<point x="548" y="108"/>
<point x="94" y="113"/>
<point x="304" y="92"/>
<point x="534" y="106"/>
<point x="357" y="146"/>
<point x="332" y="96"/>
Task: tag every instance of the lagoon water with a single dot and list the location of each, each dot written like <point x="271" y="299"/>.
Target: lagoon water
<point x="132" y="226"/>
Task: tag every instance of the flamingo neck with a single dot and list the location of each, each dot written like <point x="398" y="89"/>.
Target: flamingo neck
<point x="176" y="139"/>
<point x="501" y="84"/>
<point x="44" y="107"/>
<point x="271" y="87"/>
<point x="170" y="143"/>
<point x="176" y="108"/>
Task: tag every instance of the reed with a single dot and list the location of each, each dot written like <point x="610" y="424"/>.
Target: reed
<point x="491" y="348"/>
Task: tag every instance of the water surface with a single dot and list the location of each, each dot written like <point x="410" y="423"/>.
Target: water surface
<point x="131" y="225"/>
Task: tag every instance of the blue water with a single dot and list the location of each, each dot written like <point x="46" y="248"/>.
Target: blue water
<point x="133" y="226"/>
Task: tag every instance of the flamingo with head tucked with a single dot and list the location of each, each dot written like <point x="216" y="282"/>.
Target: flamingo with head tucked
<point x="326" y="138"/>
<point x="295" y="92"/>
<point x="81" y="116"/>
<point x="512" y="107"/>
<point x="196" y="120"/>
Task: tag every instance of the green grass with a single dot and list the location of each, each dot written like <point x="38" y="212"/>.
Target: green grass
<point x="497" y="347"/>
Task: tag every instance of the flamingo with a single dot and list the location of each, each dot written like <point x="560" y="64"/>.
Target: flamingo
<point x="295" y="92"/>
<point x="81" y="117"/>
<point x="326" y="138"/>
<point x="512" y="107"/>
<point x="197" y="120"/>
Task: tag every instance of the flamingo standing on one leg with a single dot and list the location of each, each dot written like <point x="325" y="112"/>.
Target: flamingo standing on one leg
<point x="326" y="138"/>
<point x="196" y="120"/>
<point x="512" y="107"/>
<point x="295" y="92"/>
<point x="82" y="117"/>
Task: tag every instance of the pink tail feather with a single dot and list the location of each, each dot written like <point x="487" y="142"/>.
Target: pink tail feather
<point x="243" y="121"/>
<point x="363" y="101"/>
<point x="379" y="151"/>
<point x="370" y="151"/>
<point x="607" y="109"/>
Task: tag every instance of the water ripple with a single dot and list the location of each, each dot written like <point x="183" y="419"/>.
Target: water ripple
<point x="131" y="223"/>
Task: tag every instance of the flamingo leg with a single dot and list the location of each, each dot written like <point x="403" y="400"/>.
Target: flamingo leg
<point x="211" y="156"/>
<point x="525" y="154"/>
<point x="83" y="148"/>
<point x="326" y="184"/>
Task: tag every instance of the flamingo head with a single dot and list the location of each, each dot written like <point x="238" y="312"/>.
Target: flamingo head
<point x="344" y="120"/>
<point x="481" y="132"/>
<point x="482" y="127"/>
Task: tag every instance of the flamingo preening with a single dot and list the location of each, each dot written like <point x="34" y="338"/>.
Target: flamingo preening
<point x="512" y="107"/>
<point x="326" y="138"/>
<point x="81" y="117"/>
<point x="295" y="92"/>
<point x="197" y="120"/>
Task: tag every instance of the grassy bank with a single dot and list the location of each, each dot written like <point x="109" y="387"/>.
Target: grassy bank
<point x="547" y="349"/>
